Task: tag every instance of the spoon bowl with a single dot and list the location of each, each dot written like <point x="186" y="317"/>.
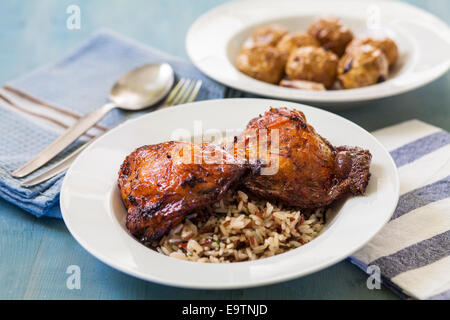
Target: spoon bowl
<point x="142" y="87"/>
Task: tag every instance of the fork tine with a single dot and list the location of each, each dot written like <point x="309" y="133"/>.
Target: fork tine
<point x="187" y="93"/>
<point x="182" y="96"/>
<point x="173" y="93"/>
<point x="194" y="93"/>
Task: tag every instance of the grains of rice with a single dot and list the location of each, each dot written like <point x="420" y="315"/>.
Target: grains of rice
<point x="240" y="229"/>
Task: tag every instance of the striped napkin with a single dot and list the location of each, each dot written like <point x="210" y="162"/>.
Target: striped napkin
<point x="413" y="250"/>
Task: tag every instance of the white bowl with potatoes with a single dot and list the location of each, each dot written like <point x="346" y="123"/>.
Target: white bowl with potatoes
<point x="321" y="52"/>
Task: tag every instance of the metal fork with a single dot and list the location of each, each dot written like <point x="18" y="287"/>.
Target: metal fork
<point x="185" y="91"/>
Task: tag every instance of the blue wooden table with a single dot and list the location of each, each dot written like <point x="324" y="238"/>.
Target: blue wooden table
<point x="35" y="253"/>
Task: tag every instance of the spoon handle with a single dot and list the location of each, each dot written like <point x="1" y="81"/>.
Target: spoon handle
<point x="64" y="140"/>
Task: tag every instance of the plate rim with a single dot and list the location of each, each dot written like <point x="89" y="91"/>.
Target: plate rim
<point x="250" y="283"/>
<point x="298" y="95"/>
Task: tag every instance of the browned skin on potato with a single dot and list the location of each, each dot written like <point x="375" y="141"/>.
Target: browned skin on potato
<point x="362" y="66"/>
<point x="261" y="63"/>
<point x="312" y="64"/>
<point x="312" y="173"/>
<point x="159" y="189"/>
<point x="386" y="45"/>
<point x="331" y="34"/>
<point x="266" y="36"/>
<point x="293" y="41"/>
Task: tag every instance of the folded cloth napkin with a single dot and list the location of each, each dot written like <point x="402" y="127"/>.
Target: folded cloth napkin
<point x="412" y="250"/>
<point x="77" y="84"/>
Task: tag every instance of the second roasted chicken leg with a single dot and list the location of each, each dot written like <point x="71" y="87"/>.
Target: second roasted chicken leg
<point x="310" y="172"/>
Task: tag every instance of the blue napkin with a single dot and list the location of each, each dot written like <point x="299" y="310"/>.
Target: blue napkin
<point x="79" y="83"/>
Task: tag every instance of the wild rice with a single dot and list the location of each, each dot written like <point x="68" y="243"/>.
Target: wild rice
<point x="239" y="229"/>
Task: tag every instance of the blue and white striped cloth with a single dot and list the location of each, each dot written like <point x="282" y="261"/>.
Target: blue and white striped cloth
<point x="413" y="249"/>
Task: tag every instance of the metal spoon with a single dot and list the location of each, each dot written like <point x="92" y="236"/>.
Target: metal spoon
<point x="138" y="89"/>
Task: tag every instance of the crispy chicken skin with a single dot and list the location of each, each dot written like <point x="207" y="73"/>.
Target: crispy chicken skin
<point x="311" y="172"/>
<point x="160" y="184"/>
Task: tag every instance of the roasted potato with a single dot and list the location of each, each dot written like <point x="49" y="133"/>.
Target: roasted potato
<point x="262" y="63"/>
<point x="362" y="66"/>
<point x="312" y="64"/>
<point x="293" y="41"/>
<point x="331" y="34"/>
<point x="386" y="45"/>
<point x="266" y="36"/>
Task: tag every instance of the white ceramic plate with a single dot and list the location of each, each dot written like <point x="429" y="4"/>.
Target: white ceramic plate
<point x="214" y="41"/>
<point x="93" y="212"/>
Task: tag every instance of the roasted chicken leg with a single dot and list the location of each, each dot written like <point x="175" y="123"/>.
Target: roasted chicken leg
<point x="310" y="172"/>
<point x="160" y="184"/>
